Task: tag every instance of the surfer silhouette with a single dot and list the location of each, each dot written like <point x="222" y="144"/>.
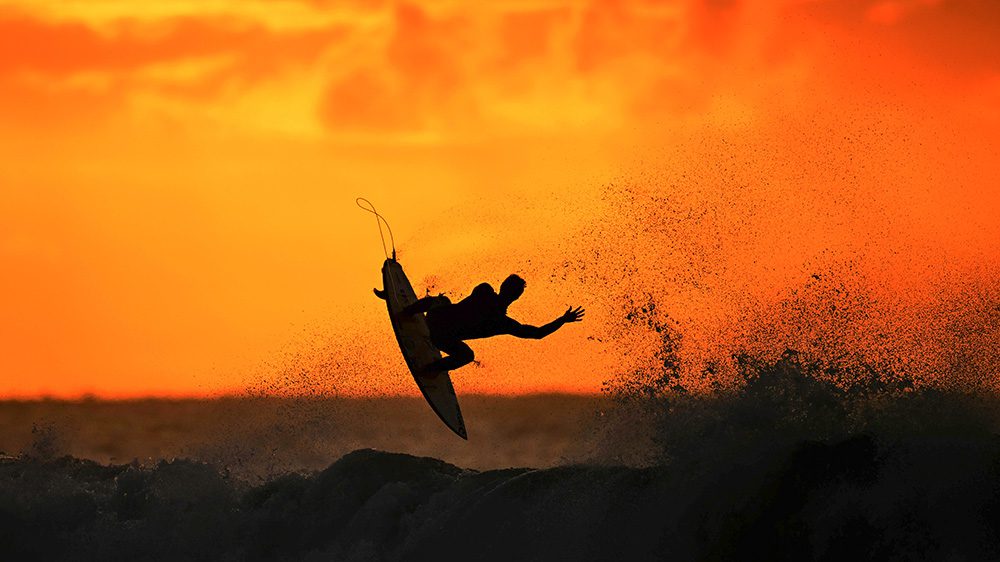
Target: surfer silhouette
<point x="482" y="314"/>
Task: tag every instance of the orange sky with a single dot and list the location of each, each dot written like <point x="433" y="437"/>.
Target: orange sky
<point x="177" y="179"/>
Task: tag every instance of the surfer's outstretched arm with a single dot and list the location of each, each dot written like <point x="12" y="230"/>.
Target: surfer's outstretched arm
<point x="539" y="332"/>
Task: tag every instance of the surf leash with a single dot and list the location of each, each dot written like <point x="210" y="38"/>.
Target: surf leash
<point x="379" y="220"/>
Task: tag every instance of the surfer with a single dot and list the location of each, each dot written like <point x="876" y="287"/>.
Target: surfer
<point x="482" y="314"/>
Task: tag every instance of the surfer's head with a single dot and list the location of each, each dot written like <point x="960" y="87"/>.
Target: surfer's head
<point x="511" y="288"/>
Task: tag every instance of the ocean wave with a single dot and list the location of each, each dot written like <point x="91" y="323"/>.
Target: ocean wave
<point x="906" y="498"/>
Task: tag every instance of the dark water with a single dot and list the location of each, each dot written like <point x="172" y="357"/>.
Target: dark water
<point x="856" y="498"/>
<point x="793" y="465"/>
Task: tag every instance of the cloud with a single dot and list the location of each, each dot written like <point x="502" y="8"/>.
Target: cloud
<point x="31" y="44"/>
<point x="948" y="35"/>
<point x="438" y="71"/>
<point x="73" y="71"/>
<point x="276" y="15"/>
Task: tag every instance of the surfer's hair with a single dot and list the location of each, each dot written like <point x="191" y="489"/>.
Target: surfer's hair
<point x="512" y="287"/>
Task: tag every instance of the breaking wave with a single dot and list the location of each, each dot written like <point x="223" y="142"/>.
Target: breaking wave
<point x="799" y="461"/>
<point x="928" y="498"/>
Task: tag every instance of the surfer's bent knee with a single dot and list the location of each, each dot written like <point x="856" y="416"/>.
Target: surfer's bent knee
<point x="456" y="348"/>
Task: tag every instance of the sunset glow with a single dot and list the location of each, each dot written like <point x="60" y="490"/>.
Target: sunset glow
<point x="177" y="178"/>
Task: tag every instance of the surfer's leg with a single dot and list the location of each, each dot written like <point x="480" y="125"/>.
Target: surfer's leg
<point x="422" y="305"/>
<point x="459" y="355"/>
<point x="425" y="304"/>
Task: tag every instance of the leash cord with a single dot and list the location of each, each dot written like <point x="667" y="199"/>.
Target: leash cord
<point x="379" y="220"/>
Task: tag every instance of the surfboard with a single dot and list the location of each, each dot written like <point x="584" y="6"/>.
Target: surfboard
<point x="415" y="342"/>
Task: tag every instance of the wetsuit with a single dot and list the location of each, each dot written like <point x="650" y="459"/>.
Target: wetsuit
<point x="479" y="315"/>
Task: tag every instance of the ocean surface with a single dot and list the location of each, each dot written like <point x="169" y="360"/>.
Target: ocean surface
<point x="260" y="437"/>
<point x="789" y="466"/>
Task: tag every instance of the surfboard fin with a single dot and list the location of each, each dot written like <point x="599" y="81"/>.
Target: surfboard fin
<point x="379" y="294"/>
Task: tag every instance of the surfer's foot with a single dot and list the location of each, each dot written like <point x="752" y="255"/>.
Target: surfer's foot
<point x="412" y="309"/>
<point x="379" y="294"/>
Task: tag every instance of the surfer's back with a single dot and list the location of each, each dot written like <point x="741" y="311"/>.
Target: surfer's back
<point x="479" y="315"/>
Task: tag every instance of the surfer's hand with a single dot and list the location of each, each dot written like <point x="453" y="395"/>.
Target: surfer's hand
<point x="573" y="314"/>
